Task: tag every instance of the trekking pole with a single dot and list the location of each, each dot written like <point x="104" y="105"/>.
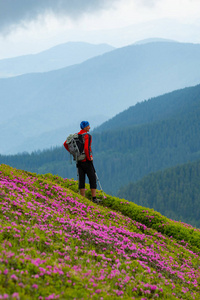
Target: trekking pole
<point x="77" y="174"/>
<point x="98" y="181"/>
<point x="99" y="184"/>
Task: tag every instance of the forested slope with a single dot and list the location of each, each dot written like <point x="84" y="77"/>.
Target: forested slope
<point x="174" y="192"/>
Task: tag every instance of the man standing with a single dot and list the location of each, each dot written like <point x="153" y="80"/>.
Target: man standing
<point x="85" y="166"/>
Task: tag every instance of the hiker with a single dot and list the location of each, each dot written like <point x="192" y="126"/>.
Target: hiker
<point x="85" y="166"/>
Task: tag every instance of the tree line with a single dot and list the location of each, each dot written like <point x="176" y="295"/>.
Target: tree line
<point x="174" y="192"/>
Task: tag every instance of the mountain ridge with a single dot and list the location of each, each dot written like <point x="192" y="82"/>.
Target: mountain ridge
<point x="106" y="84"/>
<point x="152" y="110"/>
<point x="57" y="57"/>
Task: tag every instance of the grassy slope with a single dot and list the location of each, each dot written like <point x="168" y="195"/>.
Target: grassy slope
<point x="56" y="244"/>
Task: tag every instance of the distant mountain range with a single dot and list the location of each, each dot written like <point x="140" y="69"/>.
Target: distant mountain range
<point x="57" y="57"/>
<point x="35" y="107"/>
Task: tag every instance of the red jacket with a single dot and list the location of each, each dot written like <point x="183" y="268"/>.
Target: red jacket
<point x="87" y="146"/>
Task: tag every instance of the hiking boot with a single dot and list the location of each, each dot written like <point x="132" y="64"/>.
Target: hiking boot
<point x="97" y="201"/>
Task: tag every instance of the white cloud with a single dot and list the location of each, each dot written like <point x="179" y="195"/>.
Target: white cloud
<point x="13" y="13"/>
<point x="93" y="21"/>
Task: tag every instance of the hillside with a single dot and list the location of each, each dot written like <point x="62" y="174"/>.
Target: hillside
<point x="174" y="192"/>
<point x="172" y="105"/>
<point x="35" y="106"/>
<point x="165" y="131"/>
<point x="57" y="57"/>
<point x="56" y="244"/>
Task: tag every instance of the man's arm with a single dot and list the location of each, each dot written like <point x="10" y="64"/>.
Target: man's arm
<point x="87" y="147"/>
<point x="66" y="146"/>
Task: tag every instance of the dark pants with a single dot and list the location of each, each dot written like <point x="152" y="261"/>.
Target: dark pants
<point x="86" y="168"/>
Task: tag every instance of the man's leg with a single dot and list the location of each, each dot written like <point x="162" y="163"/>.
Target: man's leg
<point x="82" y="191"/>
<point x="93" y="191"/>
<point x="92" y="178"/>
<point x="93" y="182"/>
<point x="81" y="174"/>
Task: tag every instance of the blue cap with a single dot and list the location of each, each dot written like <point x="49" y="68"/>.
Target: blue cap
<point x="84" y="124"/>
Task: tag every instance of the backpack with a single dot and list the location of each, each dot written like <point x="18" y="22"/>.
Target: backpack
<point x="75" y="143"/>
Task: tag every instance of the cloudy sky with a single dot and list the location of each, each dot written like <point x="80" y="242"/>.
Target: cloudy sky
<point x="31" y="26"/>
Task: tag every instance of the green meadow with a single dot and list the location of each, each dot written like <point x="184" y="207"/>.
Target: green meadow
<point x="56" y="244"/>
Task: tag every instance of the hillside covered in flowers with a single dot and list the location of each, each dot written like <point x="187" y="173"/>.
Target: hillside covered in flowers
<point x="55" y="244"/>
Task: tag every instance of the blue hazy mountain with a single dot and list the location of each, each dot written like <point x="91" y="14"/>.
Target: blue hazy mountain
<point x="99" y="88"/>
<point x="154" y="40"/>
<point x="57" y="57"/>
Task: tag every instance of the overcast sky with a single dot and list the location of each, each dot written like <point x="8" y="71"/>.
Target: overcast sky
<point x="31" y="26"/>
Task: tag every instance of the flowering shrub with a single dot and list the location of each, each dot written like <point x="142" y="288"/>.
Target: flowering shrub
<point x="56" y="244"/>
